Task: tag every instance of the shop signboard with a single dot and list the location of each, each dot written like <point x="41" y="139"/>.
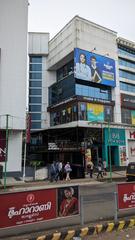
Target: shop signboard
<point x="93" y="67"/>
<point x="115" y="135"/>
<point x="126" y="196"/>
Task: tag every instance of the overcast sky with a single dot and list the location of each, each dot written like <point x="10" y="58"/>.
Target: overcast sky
<point x="51" y="15"/>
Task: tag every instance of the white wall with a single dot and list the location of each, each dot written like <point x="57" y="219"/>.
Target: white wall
<point x="13" y="74"/>
<point x="38" y="43"/>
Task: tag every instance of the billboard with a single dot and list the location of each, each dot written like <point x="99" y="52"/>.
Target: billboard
<point x="95" y="112"/>
<point x="93" y="67"/>
<point x="28" y="207"/>
<point x="126" y="195"/>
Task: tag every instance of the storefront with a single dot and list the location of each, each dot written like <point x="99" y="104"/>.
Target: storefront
<point x="114" y="148"/>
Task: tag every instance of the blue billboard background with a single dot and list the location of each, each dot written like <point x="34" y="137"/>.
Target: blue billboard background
<point x="93" y="67"/>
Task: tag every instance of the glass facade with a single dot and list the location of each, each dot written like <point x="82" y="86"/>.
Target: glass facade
<point x="65" y="71"/>
<point x="95" y="92"/>
<point x="82" y="111"/>
<point x="126" y="63"/>
<point x="127" y="75"/>
<point x="127" y="87"/>
<point x="35" y="91"/>
<point x="126" y="51"/>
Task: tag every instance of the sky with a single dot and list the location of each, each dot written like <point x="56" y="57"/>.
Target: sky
<point x="52" y="15"/>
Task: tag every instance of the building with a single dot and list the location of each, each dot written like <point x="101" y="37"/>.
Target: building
<point x="85" y="108"/>
<point x="13" y="79"/>
<point x="126" y="58"/>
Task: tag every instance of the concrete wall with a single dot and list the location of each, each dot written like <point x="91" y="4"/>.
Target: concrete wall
<point x="13" y="75"/>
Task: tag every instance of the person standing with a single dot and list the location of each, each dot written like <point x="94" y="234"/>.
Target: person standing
<point x="91" y="169"/>
<point x="68" y="170"/>
<point x="99" y="167"/>
<point x="104" y="167"/>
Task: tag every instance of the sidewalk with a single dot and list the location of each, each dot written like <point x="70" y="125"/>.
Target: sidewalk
<point x="13" y="183"/>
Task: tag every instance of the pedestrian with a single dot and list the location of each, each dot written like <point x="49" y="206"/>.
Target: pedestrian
<point x="53" y="172"/>
<point x="90" y="168"/>
<point x="104" y="167"/>
<point x="68" y="170"/>
<point x="99" y="167"/>
<point x="60" y="170"/>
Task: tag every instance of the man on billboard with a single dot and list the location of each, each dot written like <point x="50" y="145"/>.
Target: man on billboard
<point x="82" y="70"/>
<point x="95" y="73"/>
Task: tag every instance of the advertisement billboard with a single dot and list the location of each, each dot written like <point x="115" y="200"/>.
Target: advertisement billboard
<point x="68" y="201"/>
<point x="126" y="195"/>
<point x="95" y="112"/>
<point x="93" y="67"/>
<point x="27" y="207"/>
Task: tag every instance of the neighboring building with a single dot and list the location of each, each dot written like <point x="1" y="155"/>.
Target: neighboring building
<point x="126" y="55"/>
<point x="84" y="99"/>
<point x="38" y="83"/>
<point x="13" y="76"/>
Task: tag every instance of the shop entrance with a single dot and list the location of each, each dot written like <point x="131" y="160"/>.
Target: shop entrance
<point x="113" y="156"/>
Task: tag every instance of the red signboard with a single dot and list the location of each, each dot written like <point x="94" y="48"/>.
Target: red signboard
<point x="27" y="207"/>
<point x="126" y="195"/>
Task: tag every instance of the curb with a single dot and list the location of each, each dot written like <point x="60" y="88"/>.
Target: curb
<point x="88" y="231"/>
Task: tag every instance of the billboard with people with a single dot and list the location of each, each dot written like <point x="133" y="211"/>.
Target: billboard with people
<point x="92" y="67"/>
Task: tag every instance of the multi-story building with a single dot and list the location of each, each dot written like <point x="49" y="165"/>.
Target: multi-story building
<point x="13" y="75"/>
<point x="126" y="57"/>
<point x="85" y="87"/>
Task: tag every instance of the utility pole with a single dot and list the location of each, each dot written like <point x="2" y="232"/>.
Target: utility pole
<point x="109" y="154"/>
<point x="6" y="152"/>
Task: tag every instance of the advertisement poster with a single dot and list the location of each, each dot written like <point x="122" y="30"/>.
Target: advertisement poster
<point x="95" y="112"/>
<point x="68" y="201"/>
<point x="133" y="117"/>
<point x="93" y="67"/>
<point x="27" y="207"/>
<point x="122" y="151"/>
<point x="126" y="195"/>
<point x="2" y="145"/>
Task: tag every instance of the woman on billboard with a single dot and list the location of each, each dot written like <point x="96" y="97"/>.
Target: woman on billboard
<point x="68" y="205"/>
<point x="82" y="70"/>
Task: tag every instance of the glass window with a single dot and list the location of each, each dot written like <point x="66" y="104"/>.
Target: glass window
<point x="34" y="108"/>
<point x="126" y="51"/>
<point x="36" y="116"/>
<point x="35" y="84"/>
<point x="126" y="115"/>
<point x="108" y="113"/>
<point x="35" y="125"/>
<point x="35" y="75"/>
<point x="127" y="87"/>
<point x="35" y="91"/>
<point x="127" y="75"/>
<point x="35" y="59"/>
<point x="66" y="70"/>
<point x="90" y="91"/>
<point x="82" y="111"/>
<point x="34" y="99"/>
<point x="36" y="67"/>
<point x="74" y="113"/>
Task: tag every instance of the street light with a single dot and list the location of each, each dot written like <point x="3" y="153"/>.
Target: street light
<point x="109" y="152"/>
